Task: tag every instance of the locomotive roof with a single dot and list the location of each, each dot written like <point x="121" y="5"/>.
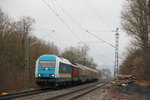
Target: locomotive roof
<point x="64" y="60"/>
<point x="54" y="58"/>
<point x="47" y="57"/>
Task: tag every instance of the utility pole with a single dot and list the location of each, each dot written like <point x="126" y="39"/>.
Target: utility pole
<point x="116" y="68"/>
<point x="148" y="20"/>
<point x="26" y="57"/>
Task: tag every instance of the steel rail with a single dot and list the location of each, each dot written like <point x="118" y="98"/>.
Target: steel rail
<point x="21" y="94"/>
<point x="28" y="93"/>
<point x="82" y="94"/>
<point x="70" y="93"/>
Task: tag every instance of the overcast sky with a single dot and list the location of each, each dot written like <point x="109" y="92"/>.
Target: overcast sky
<point x="73" y="18"/>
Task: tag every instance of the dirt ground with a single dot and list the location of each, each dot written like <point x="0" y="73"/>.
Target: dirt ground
<point x="130" y="92"/>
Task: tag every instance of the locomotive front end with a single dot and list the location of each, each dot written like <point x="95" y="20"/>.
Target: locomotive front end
<point x="45" y="70"/>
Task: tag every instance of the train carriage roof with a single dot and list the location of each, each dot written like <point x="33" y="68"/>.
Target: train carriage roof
<point x="84" y="67"/>
<point x="63" y="60"/>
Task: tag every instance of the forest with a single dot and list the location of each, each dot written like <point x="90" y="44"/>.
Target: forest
<point x="15" y="37"/>
<point x="135" y="18"/>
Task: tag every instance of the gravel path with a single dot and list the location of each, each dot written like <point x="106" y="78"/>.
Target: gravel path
<point x="110" y="92"/>
<point x="117" y="93"/>
<point x="98" y="94"/>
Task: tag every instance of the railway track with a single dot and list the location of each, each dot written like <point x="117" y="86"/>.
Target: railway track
<point x="78" y="93"/>
<point x="21" y="94"/>
<point x="51" y="93"/>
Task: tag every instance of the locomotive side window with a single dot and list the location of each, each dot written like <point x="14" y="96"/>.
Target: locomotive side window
<point x="64" y="68"/>
<point x="46" y="64"/>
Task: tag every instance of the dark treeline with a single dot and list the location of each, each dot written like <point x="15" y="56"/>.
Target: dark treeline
<point x="12" y="46"/>
<point x="12" y="53"/>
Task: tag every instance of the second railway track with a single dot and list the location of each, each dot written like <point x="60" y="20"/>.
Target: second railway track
<point x="78" y="93"/>
<point x="21" y="94"/>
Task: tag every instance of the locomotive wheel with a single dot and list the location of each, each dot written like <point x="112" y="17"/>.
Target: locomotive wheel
<point x="56" y="85"/>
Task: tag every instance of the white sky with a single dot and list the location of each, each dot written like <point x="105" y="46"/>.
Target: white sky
<point x="107" y="19"/>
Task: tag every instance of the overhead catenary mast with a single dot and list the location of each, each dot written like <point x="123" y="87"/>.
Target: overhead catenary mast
<point x="26" y="58"/>
<point x="148" y="20"/>
<point x="116" y="67"/>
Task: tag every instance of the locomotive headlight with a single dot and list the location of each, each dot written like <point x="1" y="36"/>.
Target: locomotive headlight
<point x="53" y="75"/>
<point x="46" y="68"/>
<point x="39" y="74"/>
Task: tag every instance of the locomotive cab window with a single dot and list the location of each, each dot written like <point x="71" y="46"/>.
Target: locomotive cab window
<point x="46" y="64"/>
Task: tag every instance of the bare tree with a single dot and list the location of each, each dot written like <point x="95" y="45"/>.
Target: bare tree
<point x="5" y="30"/>
<point x="79" y="55"/>
<point x="136" y="22"/>
<point x="135" y="19"/>
<point x="12" y="44"/>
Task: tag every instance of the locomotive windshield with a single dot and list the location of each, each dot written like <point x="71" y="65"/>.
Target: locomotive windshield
<point x="46" y="64"/>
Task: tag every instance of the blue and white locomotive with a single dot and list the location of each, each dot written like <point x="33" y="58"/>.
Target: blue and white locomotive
<point x="52" y="71"/>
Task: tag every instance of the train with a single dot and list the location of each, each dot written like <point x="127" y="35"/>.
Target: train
<point x="54" y="71"/>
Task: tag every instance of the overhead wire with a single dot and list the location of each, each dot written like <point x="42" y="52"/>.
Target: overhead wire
<point x="61" y="20"/>
<point x="91" y="42"/>
<point x="40" y="27"/>
<point x="73" y="21"/>
<point x="54" y="6"/>
<point x="76" y="23"/>
<point x="83" y="27"/>
<point x="101" y="39"/>
<point x="85" y="30"/>
<point x="69" y="15"/>
<point x="41" y="38"/>
<point x="95" y="13"/>
<point x="60" y="39"/>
